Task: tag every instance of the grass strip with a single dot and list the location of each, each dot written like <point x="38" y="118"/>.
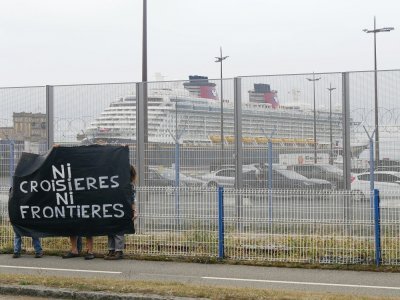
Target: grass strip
<point x="171" y="289"/>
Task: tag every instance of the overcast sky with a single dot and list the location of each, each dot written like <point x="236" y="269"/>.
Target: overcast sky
<point x="88" y="41"/>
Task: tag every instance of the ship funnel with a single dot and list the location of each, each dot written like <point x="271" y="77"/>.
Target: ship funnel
<point x="199" y="86"/>
<point x="262" y="93"/>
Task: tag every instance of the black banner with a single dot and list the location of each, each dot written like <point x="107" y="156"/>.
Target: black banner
<point x="72" y="191"/>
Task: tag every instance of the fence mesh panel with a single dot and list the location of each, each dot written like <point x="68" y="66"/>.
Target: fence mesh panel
<point x="287" y="226"/>
<point x="291" y="121"/>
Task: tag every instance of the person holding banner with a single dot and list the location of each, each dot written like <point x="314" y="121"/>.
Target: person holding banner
<point x="18" y="241"/>
<point x="18" y="245"/>
<point x="116" y="243"/>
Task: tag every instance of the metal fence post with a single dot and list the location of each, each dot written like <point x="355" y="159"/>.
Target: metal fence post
<point x="140" y="132"/>
<point x="270" y="170"/>
<point x="377" y="221"/>
<point x="371" y="168"/>
<point x="346" y="144"/>
<point x="238" y="132"/>
<point x="221" y="228"/>
<point x="11" y="162"/>
<point x="141" y="141"/>
<point x="346" y="131"/>
<point x="270" y="180"/>
<point x="238" y="149"/>
<point x="50" y="115"/>
<point x="371" y="171"/>
<point x="177" y="189"/>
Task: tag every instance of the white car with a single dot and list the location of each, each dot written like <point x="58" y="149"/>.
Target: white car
<point x="223" y="177"/>
<point x="184" y="180"/>
<point x="226" y="176"/>
<point x="388" y="184"/>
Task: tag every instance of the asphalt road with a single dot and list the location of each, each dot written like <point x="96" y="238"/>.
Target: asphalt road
<point x="333" y="281"/>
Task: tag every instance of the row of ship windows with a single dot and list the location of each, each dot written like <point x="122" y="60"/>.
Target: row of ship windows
<point x="227" y="116"/>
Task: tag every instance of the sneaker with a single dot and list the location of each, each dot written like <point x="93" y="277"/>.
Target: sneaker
<point x="70" y="255"/>
<point x="16" y="255"/>
<point x="109" y="254"/>
<point x="118" y="255"/>
<point x="38" y="254"/>
<point x="89" y="256"/>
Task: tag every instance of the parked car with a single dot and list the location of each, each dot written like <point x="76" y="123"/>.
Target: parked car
<point x="283" y="178"/>
<point x="387" y="176"/>
<point x="154" y="178"/>
<point x="223" y="177"/>
<point x="388" y="165"/>
<point x="253" y="177"/>
<point x="226" y="176"/>
<point x="388" y="168"/>
<point x="388" y="184"/>
<point x="166" y="177"/>
<point x="321" y="171"/>
<point x="184" y="180"/>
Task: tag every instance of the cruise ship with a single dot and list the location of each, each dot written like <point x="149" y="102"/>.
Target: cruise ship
<point x="192" y="115"/>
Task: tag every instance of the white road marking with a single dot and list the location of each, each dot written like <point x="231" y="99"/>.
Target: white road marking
<point x="306" y="283"/>
<point x="64" y="270"/>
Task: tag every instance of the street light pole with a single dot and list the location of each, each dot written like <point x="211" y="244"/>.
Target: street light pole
<point x="219" y="60"/>
<point x="144" y="43"/>
<point x="375" y="31"/>
<point x="315" y="117"/>
<point x="330" y="89"/>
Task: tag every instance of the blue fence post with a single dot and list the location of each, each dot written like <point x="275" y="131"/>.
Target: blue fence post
<point x="221" y="229"/>
<point x="377" y="221"/>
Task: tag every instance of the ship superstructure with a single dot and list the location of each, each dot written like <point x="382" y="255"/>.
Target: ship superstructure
<point x="195" y="113"/>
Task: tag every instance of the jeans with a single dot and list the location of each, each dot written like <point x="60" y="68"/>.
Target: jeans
<point x="18" y="242"/>
<point x="116" y="242"/>
<point x="79" y="244"/>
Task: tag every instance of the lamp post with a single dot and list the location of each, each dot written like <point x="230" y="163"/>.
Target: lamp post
<point x="219" y="60"/>
<point x="330" y="89"/>
<point x="315" y="117"/>
<point x="375" y="31"/>
<point x="144" y="42"/>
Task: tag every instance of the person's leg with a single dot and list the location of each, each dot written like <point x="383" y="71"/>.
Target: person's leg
<point x="111" y="246"/>
<point x="38" y="247"/>
<point x="111" y="242"/>
<point x="119" y="247"/>
<point x="119" y="243"/>
<point x="17" y="245"/>
<point x="89" y="245"/>
<point x="79" y="244"/>
<point x="74" y="251"/>
<point x="74" y="244"/>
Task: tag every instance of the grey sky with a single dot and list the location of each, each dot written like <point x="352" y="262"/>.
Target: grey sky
<point x="87" y="41"/>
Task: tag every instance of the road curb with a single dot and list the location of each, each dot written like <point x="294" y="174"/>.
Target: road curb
<point x="62" y="293"/>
